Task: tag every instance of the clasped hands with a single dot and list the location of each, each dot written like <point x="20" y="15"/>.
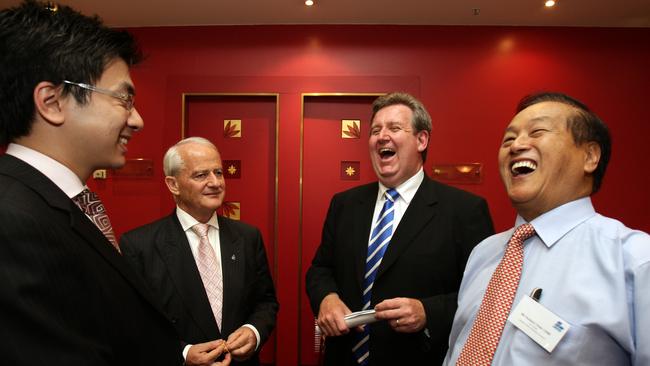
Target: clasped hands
<point x="403" y="314"/>
<point x="239" y="346"/>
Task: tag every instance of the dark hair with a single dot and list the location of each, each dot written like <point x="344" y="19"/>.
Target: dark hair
<point x="585" y="126"/>
<point x="49" y="42"/>
<point x="421" y="119"/>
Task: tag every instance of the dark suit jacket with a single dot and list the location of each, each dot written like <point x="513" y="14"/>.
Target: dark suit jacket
<point x="66" y="296"/>
<point x="161" y="253"/>
<point x="424" y="260"/>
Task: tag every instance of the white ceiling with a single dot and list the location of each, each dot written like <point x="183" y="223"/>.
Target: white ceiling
<point x="136" y="13"/>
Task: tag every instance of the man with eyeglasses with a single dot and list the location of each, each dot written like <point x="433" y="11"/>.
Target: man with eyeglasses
<point x="67" y="296"/>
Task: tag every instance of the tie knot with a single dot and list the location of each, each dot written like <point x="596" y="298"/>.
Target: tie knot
<point x="524" y="231"/>
<point x="391" y="194"/>
<point x="89" y="202"/>
<point x="200" y="229"/>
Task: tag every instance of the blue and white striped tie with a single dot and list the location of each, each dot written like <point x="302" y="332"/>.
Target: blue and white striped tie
<point x="379" y="239"/>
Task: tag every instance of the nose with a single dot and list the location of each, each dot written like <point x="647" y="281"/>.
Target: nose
<point x="383" y="134"/>
<point x="520" y="143"/>
<point x="135" y="121"/>
<point x="214" y="179"/>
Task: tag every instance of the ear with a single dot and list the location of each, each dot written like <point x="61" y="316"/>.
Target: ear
<point x="172" y="185"/>
<point x="423" y="140"/>
<point x="592" y="156"/>
<point x="48" y="102"/>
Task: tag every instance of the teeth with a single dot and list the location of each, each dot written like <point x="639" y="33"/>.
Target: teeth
<point x="523" y="164"/>
<point x="385" y="149"/>
<point x="124" y="140"/>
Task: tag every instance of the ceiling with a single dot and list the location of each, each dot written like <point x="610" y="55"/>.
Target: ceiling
<point x="583" y="13"/>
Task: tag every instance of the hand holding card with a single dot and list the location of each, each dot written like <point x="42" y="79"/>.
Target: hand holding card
<point x="360" y="318"/>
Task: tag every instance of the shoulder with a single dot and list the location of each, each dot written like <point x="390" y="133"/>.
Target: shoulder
<point x="613" y="234"/>
<point x="237" y="226"/>
<point x="151" y="229"/>
<point x="449" y="193"/>
<point x="357" y="192"/>
<point x="490" y="249"/>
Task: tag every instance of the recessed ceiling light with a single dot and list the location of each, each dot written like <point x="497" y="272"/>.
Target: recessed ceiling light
<point x="309" y="2"/>
<point x="549" y="3"/>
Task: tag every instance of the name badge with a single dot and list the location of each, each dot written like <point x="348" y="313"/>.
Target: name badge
<point x="539" y="323"/>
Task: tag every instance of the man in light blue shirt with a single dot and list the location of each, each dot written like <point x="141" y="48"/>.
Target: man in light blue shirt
<point x="594" y="272"/>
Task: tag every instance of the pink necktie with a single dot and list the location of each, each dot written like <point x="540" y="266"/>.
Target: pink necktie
<point x="210" y="271"/>
<point x="497" y="301"/>
<point x="92" y="206"/>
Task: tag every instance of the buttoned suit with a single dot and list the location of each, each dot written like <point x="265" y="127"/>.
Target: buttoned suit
<point x="161" y="254"/>
<point x="424" y="260"/>
<point x="67" y="296"/>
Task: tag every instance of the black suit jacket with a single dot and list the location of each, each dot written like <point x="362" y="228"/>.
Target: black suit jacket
<point x="161" y="253"/>
<point x="66" y="296"/>
<point x="424" y="260"/>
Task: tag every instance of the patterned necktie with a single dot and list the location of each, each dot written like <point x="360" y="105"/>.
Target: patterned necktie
<point x="497" y="301"/>
<point x="379" y="239"/>
<point x="92" y="206"/>
<point x="210" y="271"/>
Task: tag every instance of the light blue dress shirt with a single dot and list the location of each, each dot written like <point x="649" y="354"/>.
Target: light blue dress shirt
<point x="595" y="274"/>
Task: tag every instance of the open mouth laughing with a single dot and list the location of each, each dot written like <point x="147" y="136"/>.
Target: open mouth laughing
<point x="386" y="153"/>
<point x="522" y="167"/>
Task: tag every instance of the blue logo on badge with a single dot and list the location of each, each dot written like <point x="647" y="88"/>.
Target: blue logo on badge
<point x="558" y="326"/>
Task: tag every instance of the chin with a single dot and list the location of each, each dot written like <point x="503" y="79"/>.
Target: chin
<point x="117" y="162"/>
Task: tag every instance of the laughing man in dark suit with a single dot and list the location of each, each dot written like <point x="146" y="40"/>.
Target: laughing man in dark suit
<point x="415" y="285"/>
<point x="168" y="256"/>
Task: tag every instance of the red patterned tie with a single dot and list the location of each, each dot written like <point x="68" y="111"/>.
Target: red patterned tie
<point x="92" y="206"/>
<point x="210" y="271"/>
<point x="497" y="301"/>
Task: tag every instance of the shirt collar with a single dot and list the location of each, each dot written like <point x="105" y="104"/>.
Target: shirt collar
<point x="407" y="189"/>
<point x="554" y="224"/>
<point x="187" y="220"/>
<point x="58" y="173"/>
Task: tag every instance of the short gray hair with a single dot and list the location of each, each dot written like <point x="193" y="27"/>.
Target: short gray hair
<point x="172" y="162"/>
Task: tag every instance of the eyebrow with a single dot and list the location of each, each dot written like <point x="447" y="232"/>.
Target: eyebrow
<point x="530" y="121"/>
<point x="130" y="89"/>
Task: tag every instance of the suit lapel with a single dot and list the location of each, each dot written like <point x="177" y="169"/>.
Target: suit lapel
<point x="420" y="211"/>
<point x="364" y="211"/>
<point x="175" y="251"/>
<point x="79" y="223"/>
<point x="233" y="266"/>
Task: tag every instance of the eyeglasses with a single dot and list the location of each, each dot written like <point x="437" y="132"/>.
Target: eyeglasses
<point x="127" y="98"/>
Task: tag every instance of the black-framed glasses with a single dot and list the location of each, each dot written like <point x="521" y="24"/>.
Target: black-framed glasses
<point x="127" y="98"/>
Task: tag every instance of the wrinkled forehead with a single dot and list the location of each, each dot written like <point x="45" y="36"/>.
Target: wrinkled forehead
<point x="194" y="155"/>
<point x="544" y="112"/>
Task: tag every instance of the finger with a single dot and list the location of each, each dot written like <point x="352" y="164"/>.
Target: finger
<point x="341" y="327"/>
<point x="324" y="327"/>
<point x="391" y="314"/>
<point x="234" y="336"/>
<point x="389" y="304"/>
<point x="235" y="343"/>
<point x="215" y="352"/>
<point x="242" y="350"/>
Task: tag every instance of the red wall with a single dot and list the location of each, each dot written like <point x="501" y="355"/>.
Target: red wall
<point x="470" y="78"/>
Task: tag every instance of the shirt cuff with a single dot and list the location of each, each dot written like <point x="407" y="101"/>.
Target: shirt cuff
<point x="185" y="351"/>
<point x="257" y="334"/>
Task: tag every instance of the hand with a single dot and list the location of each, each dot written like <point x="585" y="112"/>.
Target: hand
<point x="224" y="362"/>
<point x="204" y="354"/>
<point x="330" y="316"/>
<point x="404" y="315"/>
<point x="241" y="343"/>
